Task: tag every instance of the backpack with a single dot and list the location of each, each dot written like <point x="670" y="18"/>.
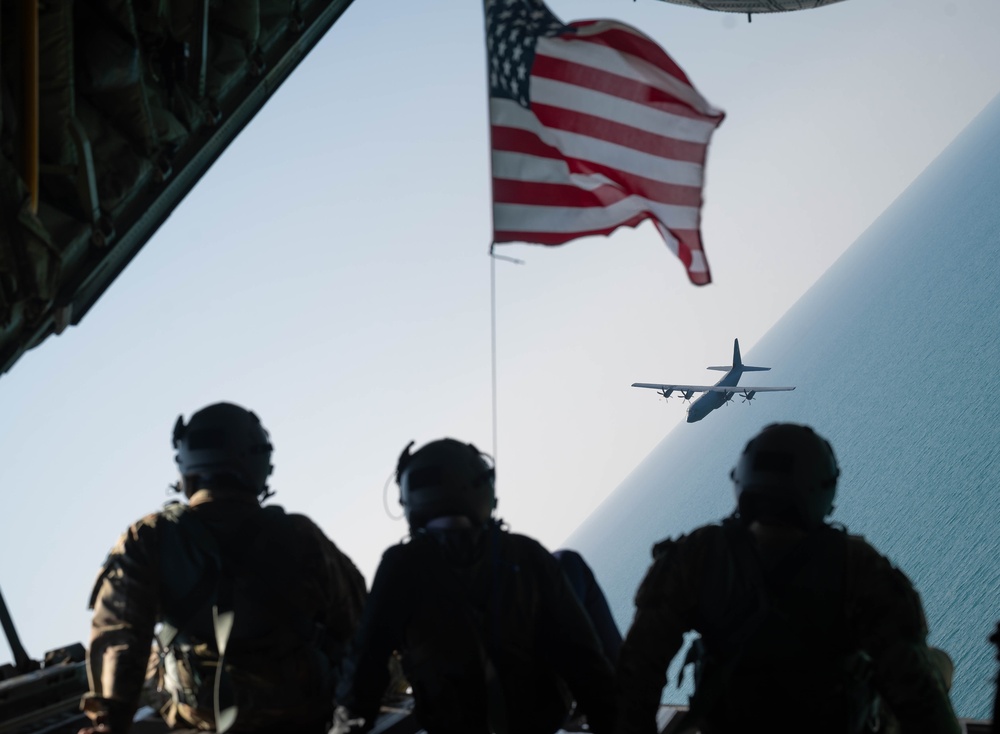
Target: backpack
<point x="479" y="653"/>
<point x="223" y="612"/>
<point x="776" y="639"/>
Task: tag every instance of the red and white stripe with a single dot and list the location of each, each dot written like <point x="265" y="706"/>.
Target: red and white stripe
<point x="616" y="135"/>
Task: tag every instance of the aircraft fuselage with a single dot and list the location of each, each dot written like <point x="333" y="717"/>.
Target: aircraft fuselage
<point x="712" y="400"/>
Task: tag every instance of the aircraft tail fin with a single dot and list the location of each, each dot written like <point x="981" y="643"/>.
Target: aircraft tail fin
<point x="738" y="362"/>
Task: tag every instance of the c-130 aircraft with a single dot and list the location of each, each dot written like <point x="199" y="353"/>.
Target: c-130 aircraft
<point x="718" y="394"/>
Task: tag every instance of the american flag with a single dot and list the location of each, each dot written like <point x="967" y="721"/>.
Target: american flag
<point x="593" y="128"/>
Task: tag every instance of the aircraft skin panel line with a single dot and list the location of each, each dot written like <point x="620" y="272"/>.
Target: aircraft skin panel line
<point x="717" y="395"/>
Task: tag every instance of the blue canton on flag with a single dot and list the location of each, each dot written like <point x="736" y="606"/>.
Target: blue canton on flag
<point x="512" y="31"/>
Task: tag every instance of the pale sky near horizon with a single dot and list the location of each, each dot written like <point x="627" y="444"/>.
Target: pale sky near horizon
<point x="330" y="272"/>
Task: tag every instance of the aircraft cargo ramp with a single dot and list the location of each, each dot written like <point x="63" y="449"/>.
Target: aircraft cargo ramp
<point x="43" y="698"/>
<point x="110" y="113"/>
<point x="669" y="721"/>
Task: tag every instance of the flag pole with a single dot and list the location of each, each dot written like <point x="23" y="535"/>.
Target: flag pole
<point x="493" y="330"/>
<point x="493" y="342"/>
<point x="493" y="260"/>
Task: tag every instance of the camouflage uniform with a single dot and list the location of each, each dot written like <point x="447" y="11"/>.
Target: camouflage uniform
<point x="788" y="644"/>
<point x="297" y="601"/>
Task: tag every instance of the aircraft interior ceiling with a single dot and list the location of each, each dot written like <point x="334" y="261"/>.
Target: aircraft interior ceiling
<point x="110" y="112"/>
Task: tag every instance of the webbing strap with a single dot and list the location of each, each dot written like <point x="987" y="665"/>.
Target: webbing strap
<point x="223" y="623"/>
<point x="496" y="711"/>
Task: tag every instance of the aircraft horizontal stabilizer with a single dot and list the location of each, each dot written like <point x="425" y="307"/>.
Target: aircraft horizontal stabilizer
<point x="744" y="368"/>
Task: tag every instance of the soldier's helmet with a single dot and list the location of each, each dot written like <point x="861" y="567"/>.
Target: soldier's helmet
<point x="224" y="441"/>
<point x="446" y="478"/>
<point x="787" y="474"/>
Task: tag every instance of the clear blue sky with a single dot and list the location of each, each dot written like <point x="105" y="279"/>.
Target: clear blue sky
<point x="330" y="272"/>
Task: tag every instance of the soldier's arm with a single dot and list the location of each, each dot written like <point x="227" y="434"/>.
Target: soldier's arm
<point x="575" y="648"/>
<point x="585" y="587"/>
<point x="894" y="632"/>
<point x="343" y="588"/>
<point x="125" y="605"/>
<point x="379" y="635"/>
<point x="656" y="635"/>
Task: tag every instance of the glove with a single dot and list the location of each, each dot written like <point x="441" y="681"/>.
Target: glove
<point x="342" y="722"/>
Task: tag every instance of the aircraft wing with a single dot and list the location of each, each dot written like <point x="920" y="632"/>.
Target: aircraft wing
<point x="709" y="388"/>
<point x="750" y="388"/>
<point x="675" y="388"/>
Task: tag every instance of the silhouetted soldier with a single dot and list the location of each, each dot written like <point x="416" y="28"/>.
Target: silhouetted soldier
<point x="490" y="634"/>
<point x="801" y="624"/>
<point x="253" y="607"/>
